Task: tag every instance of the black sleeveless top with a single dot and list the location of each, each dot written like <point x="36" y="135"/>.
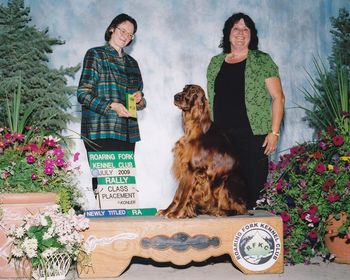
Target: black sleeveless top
<point x="229" y="101"/>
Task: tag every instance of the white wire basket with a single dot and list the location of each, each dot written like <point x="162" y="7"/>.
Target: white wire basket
<point x="55" y="267"/>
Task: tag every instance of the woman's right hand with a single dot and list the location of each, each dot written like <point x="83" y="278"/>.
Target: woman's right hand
<point x="120" y="109"/>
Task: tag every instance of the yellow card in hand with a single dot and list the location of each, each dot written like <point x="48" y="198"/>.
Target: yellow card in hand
<point x="131" y="105"/>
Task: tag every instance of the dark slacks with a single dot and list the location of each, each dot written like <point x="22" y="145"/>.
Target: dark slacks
<point x="253" y="163"/>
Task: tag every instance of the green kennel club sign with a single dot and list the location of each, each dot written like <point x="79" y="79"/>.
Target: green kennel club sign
<point x="115" y="172"/>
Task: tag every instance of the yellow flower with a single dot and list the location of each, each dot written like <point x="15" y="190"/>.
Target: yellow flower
<point x="345" y="158"/>
<point x="330" y="167"/>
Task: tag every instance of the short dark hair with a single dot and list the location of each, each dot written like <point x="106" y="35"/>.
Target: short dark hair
<point x="116" y="21"/>
<point x="225" y="42"/>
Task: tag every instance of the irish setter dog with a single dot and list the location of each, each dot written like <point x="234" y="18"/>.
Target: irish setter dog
<point x="204" y="164"/>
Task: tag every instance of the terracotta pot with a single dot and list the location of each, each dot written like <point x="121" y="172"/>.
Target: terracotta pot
<point x="14" y="206"/>
<point x="335" y="244"/>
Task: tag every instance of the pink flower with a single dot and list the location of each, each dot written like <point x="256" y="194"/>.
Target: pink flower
<point x="333" y="197"/>
<point x="302" y="183"/>
<point x="338" y="140"/>
<point x="49" y="162"/>
<point x="34" y="177"/>
<point x="30" y="159"/>
<point x="59" y="162"/>
<point x="76" y="156"/>
<point x="320" y="168"/>
<point x="48" y="170"/>
<point x="279" y="185"/>
<point x="58" y="152"/>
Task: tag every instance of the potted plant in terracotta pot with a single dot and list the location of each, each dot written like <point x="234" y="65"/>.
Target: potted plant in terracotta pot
<point x="35" y="172"/>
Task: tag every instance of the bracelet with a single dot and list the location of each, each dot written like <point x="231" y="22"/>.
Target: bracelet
<point x="275" y="133"/>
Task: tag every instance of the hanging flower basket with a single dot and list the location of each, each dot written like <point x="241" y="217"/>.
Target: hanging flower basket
<point x="54" y="267"/>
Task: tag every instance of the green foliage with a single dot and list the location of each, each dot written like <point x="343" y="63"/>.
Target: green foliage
<point x="305" y="187"/>
<point x="16" y="122"/>
<point x="329" y="94"/>
<point x="24" y="52"/>
<point x="329" y="97"/>
<point x="341" y="39"/>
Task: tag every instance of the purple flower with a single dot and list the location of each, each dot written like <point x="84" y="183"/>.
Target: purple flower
<point x="323" y="145"/>
<point x="320" y="168"/>
<point x="30" y="159"/>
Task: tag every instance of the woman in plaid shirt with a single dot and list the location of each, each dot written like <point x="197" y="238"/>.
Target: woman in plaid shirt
<point x="109" y="75"/>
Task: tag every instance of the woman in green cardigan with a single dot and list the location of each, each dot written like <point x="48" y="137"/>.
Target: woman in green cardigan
<point x="246" y="100"/>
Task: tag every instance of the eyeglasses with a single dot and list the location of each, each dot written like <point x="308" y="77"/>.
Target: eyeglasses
<point x="236" y="30"/>
<point x="126" y="33"/>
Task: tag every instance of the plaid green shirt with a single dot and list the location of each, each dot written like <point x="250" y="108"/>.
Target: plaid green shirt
<point x="108" y="77"/>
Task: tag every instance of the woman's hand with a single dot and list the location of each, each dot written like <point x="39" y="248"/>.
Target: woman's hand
<point x="270" y="143"/>
<point x="138" y="96"/>
<point x="120" y="109"/>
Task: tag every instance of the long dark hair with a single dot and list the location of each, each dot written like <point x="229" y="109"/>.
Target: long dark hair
<point x="116" y="21"/>
<point x="225" y="42"/>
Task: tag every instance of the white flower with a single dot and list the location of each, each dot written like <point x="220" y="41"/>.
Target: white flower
<point x="47" y="236"/>
<point x="17" y="252"/>
<point x="49" y="252"/>
<point x="43" y="221"/>
<point x="19" y="232"/>
<point x="29" y="244"/>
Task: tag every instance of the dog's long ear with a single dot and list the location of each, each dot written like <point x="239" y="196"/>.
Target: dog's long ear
<point x="200" y="111"/>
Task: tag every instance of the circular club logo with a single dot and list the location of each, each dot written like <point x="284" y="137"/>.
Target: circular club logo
<point x="257" y="246"/>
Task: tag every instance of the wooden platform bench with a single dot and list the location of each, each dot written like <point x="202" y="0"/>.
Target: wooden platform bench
<point x="254" y="242"/>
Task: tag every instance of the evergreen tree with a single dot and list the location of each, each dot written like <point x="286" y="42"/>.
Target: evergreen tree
<point x="24" y="57"/>
<point x="341" y="39"/>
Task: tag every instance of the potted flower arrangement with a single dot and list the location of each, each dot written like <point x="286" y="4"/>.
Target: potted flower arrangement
<point x="33" y="163"/>
<point x="35" y="172"/>
<point x="307" y="186"/>
<point x="49" y="240"/>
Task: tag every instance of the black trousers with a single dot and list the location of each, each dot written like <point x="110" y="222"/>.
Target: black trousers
<point x="253" y="163"/>
<point x="106" y="145"/>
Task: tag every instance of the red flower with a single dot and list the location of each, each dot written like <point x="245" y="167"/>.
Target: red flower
<point x="330" y="131"/>
<point x="338" y="140"/>
<point x="320" y="168"/>
<point x="285" y="216"/>
<point x="333" y="197"/>
<point x="328" y="184"/>
<point x="318" y="155"/>
<point x="315" y="219"/>
<point x="313" y="234"/>
<point x="303" y="216"/>
<point x="313" y="209"/>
